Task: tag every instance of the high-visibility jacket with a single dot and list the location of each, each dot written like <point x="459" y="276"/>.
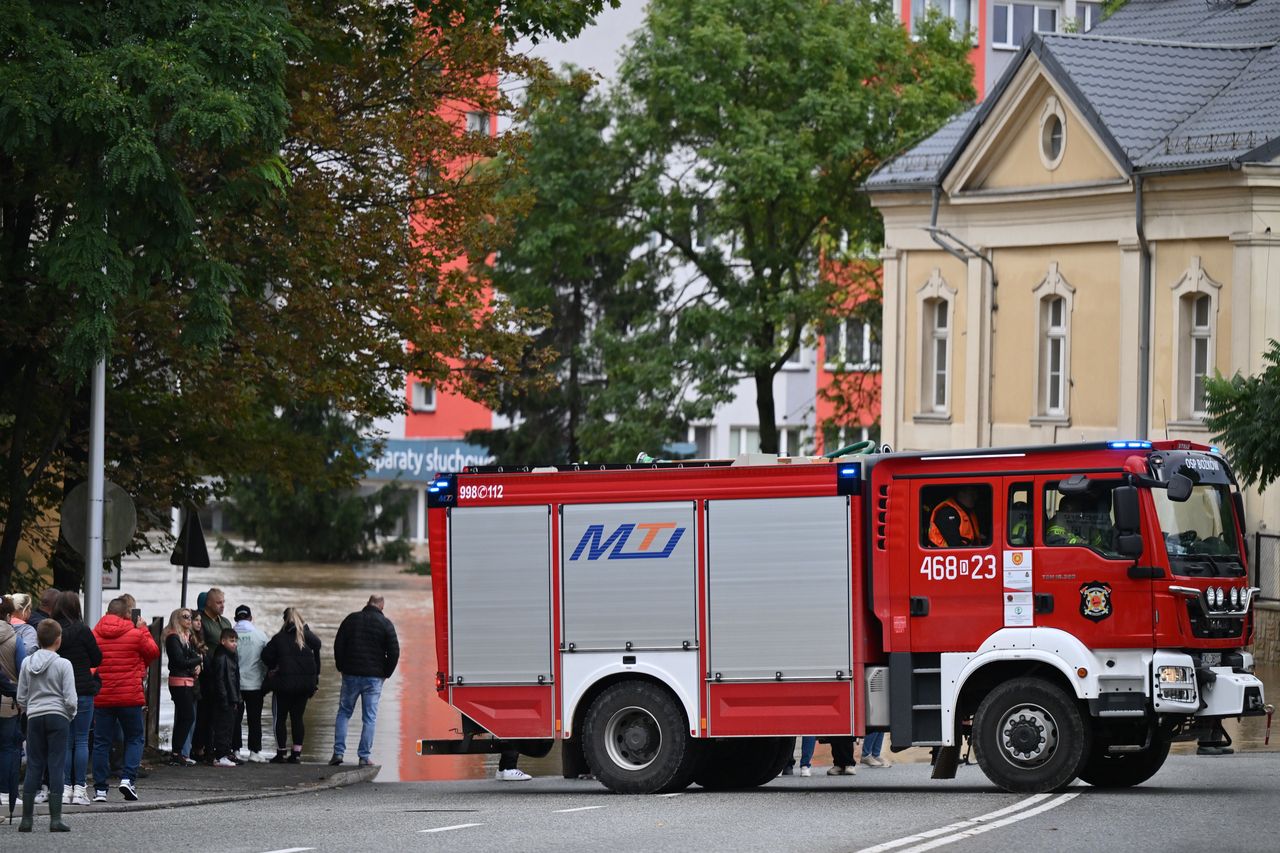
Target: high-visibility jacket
<point x="968" y="525"/>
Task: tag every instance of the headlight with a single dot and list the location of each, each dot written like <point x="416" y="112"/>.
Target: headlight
<point x="1235" y="597"/>
<point x="1215" y="596"/>
<point x="1177" y="683"/>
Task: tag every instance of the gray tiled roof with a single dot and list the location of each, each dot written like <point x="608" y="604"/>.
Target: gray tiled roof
<point x="1198" y="21"/>
<point x="1142" y="91"/>
<point x="1157" y="104"/>
<point x="919" y="166"/>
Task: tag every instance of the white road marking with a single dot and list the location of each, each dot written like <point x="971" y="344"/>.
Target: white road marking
<point x="973" y="826"/>
<point x="292" y="850"/>
<point x="578" y="809"/>
<point x="669" y="796"/>
<point x="455" y="826"/>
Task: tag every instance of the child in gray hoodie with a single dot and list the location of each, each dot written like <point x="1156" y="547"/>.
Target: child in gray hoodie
<point x="47" y="690"/>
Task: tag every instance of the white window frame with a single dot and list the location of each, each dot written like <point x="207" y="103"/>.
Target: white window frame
<point x="851" y="354"/>
<point x="921" y="8"/>
<point x="1188" y="336"/>
<point x="1048" y="337"/>
<point x="1037" y="26"/>
<point x="476" y="121"/>
<point x="741" y="437"/>
<point x="422" y="396"/>
<point x="709" y="431"/>
<point x="1088" y="16"/>
<point x="929" y="296"/>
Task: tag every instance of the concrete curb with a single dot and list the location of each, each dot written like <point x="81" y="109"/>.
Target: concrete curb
<point x="341" y="779"/>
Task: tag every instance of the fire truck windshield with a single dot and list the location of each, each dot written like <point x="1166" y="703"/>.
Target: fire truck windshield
<point x="1200" y="533"/>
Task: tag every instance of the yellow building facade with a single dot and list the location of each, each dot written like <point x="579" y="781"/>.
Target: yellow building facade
<point x="1071" y="260"/>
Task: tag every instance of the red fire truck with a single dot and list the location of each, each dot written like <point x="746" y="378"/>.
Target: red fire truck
<point x="677" y="623"/>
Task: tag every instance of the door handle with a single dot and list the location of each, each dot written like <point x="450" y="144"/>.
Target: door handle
<point x="919" y="605"/>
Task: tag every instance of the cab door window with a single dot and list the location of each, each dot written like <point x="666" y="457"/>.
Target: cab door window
<point x="1019" y="515"/>
<point x="1082" y="520"/>
<point x="956" y="516"/>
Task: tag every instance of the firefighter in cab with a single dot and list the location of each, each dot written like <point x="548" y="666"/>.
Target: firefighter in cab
<point x="954" y="522"/>
<point x="1080" y="520"/>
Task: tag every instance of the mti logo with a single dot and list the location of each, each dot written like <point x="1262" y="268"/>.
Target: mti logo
<point x="595" y="544"/>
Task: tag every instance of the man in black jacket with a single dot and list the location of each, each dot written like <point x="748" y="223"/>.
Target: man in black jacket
<point x="366" y="652"/>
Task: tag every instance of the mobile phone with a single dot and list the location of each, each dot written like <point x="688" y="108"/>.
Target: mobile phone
<point x="137" y="614"/>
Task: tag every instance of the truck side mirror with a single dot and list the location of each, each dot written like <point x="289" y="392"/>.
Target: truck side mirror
<point x="1180" y="486"/>
<point x="1124" y="502"/>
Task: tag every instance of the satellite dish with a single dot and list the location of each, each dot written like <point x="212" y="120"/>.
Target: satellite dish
<point x="119" y="519"/>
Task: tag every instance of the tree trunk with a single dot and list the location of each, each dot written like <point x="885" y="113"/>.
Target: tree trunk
<point x="766" y="411"/>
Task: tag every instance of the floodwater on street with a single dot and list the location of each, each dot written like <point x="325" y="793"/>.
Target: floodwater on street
<point x="410" y="709"/>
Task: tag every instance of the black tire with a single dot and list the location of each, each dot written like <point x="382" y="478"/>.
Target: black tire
<point x="1123" y="770"/>
<point x="637" y="740"/>
<point x="742" y="762"/>
<point x="1030" y="736"/>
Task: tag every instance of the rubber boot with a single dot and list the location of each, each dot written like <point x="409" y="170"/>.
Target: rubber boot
<point x="55" y="813"/>
<point x="28" y="811"/>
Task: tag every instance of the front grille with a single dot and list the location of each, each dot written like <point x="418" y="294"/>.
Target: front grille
<point x="1212" y="628"/>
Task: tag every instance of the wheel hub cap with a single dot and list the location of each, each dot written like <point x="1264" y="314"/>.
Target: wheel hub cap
<point x="633" y="738"/>
<point x="1028" y="736"/>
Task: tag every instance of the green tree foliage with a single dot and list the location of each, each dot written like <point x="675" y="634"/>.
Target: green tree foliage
<point x="622" y="370"/>
<point x="751" y="126"/>
<point x="1242" y="416"/>
<point x="245" y="205"/>
<point x="315" y="515"/>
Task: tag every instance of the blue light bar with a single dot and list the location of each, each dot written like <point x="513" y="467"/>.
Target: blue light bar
<point x="434" y="489"/>
<point x="1213" y="448"/>
<point x="852" y="471"/>
<point x="1129" y="445"/>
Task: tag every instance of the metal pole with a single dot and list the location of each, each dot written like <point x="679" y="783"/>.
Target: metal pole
<point x="93" y="553"/>
<point x="186" y="558"/>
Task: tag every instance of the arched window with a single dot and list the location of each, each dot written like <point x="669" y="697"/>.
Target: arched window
<point x="935" y="301"/>
<point x="1054" y="355"/>
<point x="1054" y="298"/>
<point x="1195" y="304"/>
<point x="937" y="350"/>
<point x="1200" y="337"/>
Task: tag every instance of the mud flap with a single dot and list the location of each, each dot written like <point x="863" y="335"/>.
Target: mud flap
<point x="945" y="762"/>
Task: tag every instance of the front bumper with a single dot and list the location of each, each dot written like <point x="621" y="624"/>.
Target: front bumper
<point x="1227" y="693"/>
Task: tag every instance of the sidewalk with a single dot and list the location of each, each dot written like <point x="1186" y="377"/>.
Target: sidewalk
<point x="173" y="787"/>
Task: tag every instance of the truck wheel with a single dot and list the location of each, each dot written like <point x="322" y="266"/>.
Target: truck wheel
<point x="637" y="740"/>
<point x="1030" y="736"/>
<point x="743" y="762"/>
<point x="1125" y="769"/>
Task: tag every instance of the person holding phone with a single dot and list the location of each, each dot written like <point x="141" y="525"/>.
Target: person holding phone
<point x="126" y="651"/>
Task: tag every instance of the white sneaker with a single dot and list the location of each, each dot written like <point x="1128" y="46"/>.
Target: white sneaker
<point x="515" y="774"/>
<point x="242" y="754"/>
<point x="42" y="796"/>
<point x="874" y="761"/>
<point x="224" y="761"/>
<point x="259" y="758"/>
<point x="67" y="791"/>
<point x="126" y="788"/>
<point x="79" y="796"/>
<point x="837" y="770"/>
<point x="806" y="771"/>
<point x="99" y="795"/>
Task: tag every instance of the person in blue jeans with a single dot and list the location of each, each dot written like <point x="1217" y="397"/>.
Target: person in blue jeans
<point x="871" y="746"/>
<point x="808" y="744"/>
<point x="79" y="647"/>
<point x="366" y="652"/>
<point x="127" y="648"/>
<point x="12" y="651"/>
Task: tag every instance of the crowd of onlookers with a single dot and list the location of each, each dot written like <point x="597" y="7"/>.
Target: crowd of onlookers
<point x="61" y="681"/>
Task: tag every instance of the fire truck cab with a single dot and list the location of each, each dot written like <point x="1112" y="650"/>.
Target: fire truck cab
<point x="1069" y="610"/>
